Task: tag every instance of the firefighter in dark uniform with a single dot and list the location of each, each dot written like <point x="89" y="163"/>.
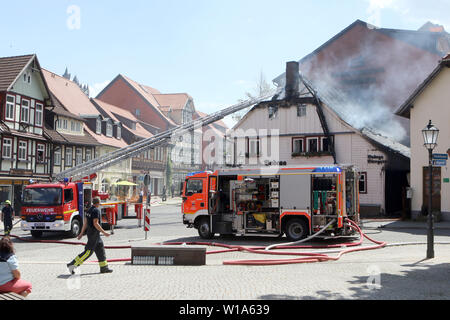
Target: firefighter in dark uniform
<point x="7" y="215"/>
<point x="95" y="243"/>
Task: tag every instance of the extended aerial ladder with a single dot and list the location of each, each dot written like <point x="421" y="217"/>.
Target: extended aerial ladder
<point x="109" y="159"/>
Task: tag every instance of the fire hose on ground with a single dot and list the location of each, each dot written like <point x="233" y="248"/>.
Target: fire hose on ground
<point x="300" y="257"/>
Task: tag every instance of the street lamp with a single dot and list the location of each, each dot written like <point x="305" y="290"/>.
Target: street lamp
<point x="430" y="134"/>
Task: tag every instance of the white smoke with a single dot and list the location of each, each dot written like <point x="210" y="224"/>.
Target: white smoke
<point x="366" y="88"/>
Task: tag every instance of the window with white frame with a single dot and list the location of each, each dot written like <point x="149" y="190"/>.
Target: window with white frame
<point x="297" y="145"/>
<point x="69" y="157"/>
<point x="88" y="155"/>
<point x="22" y="154"/>
<point x="79" y="156"/>
<point x="57" y="156"/>
<point x="64" y="124"/>
<point x="38" y="114"/>
<point x="78" y="127"/>
<point x="312" y="144"/>
<point x="109" y="129"/>
<point x="119" y="132"/>
<point x="9" y="111"/>
<point x="40" y="156"/>
<point x="72" y="126"/>
<point x="7" y="148"/>
<point x="25" y="111"/>
<point x="98" y="126"/>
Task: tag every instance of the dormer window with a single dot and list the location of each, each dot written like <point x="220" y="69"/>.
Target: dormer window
<point x="98" y="126"/>
<point x="138" y="112"/>
<point x="119" y="132"/>
<point x="109" y="129"/>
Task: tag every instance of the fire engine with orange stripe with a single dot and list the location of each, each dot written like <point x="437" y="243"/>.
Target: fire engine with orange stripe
<point x="272" y="201"/>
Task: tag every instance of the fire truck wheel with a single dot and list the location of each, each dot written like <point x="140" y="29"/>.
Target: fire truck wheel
<point x="36" y="234"/>
<point x="296" y="229"/>
<point x="204" y="229"/>
<point x="75" y="228"/>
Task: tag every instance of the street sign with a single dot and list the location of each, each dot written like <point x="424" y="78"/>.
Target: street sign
<point x="440" y="156"/>
<point x="439" y="163"/>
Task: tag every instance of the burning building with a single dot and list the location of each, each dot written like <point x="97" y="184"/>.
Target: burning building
<point x="373" y="70"/>
<point x="302" y="125"/>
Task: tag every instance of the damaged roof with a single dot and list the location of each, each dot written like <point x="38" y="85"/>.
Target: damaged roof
<point x="389" y="143"/>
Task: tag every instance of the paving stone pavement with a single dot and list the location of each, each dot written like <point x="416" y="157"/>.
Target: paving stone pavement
<point x="389" y="273"/>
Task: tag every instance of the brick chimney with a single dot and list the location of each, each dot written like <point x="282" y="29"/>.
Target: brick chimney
<point x="292" y="79"/>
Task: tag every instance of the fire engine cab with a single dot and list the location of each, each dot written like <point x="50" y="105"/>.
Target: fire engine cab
<point x="297" y="201"/>
<point x="54" y="207"/>
<point x="60" y="206"/>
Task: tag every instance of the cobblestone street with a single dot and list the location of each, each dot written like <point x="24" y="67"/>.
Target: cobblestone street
<point x="387" y="273"/>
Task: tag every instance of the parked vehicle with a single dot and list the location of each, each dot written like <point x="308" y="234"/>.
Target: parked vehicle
<point x="297" y="201"/>
<point x="49" y="207"/>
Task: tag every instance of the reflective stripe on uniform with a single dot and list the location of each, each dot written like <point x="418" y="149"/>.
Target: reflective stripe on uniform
<point x="103" y="264"/>
<point x="80" y="260"/>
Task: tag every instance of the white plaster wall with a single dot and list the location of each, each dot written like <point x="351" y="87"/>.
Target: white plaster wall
<point x="433" y="104"/>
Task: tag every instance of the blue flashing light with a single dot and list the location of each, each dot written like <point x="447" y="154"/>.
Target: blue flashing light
<point x="327" y="169"/>
<point x="194" y="173"/>
<point x="66" y="180"/>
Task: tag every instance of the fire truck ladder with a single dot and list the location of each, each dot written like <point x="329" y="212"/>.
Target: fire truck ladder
<point x="117" y="156"/>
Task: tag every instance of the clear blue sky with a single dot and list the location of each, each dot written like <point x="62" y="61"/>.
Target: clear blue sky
<point x="214" y="50"/>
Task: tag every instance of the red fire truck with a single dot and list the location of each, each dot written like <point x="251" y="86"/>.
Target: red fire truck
<point x="296" y="201"/>
<point x="60" y="207"/>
